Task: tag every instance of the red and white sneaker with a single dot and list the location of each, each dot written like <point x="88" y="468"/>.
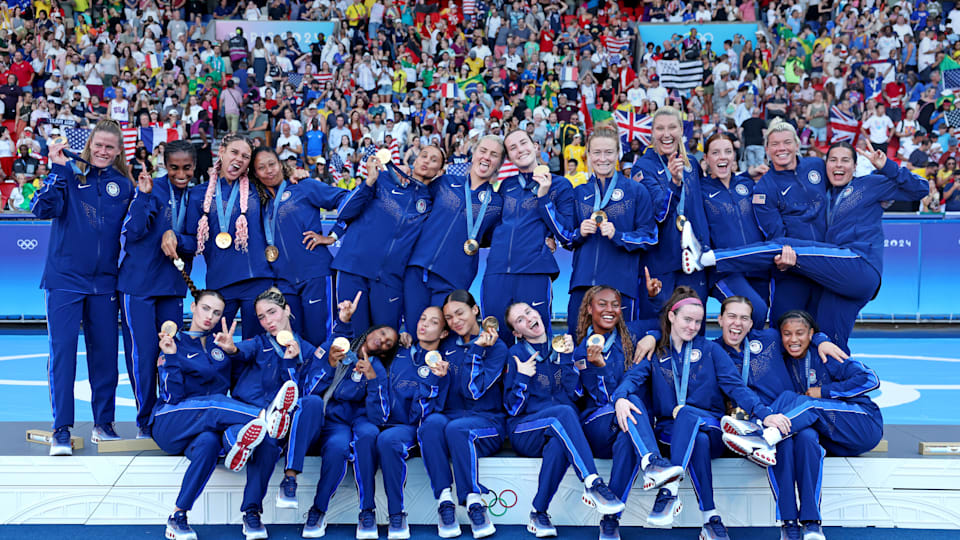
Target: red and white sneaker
<point x="752" y="447"/>
<point x="248" y="438"/>
<point x="690" y="258"/>
<point x="278" y="412"/>
<point x="735" y="426"/>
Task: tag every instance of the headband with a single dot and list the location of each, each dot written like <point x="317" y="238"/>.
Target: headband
<point x="686" y="302"/>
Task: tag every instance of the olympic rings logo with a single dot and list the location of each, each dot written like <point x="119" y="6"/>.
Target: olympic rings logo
<point x="499" y="501"/>
<point x="27" y="244"/>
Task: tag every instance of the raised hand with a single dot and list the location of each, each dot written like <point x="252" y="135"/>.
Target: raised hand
<point x="529" y="367"/>
<point x="878" y="158"/>
<point x="145" y="182"/>
<point x="292" y="350"/>
<point x="487" y="338"/>
<point x="654" y="285"/>
<point x="595" y="355"/>
<point x="224" y="339"/>
<point x="347" y="308"/>
<point x="167" y="344"/>
<point x="675" y="166"/>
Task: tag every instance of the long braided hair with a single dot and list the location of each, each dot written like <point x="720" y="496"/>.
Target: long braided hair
<point x="203" y="226"/>
<point x="585" y="321"/>
<point x="385" y="357"/>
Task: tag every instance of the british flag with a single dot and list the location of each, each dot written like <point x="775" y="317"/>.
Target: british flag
<point x="843" y="127"/>
<point x="632" y="125"/>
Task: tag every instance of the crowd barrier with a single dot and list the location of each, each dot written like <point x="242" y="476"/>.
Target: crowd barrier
<point x="920" y="277"/>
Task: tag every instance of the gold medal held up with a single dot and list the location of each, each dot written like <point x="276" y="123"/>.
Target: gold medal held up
<point x="224" y="240"/>
<point x="681" y="221"/>
<point x="341" y="343"/>
<point x="490" y="323"/>
<point x="169" y="328"/>
<point x="384" y="156"/>
<point x="541" y="170"/>
<point x="559" y="344"/>
<point x="596" y="340"/>
<point x="284" y="337"/>
<point x="471" y="247"/>
<point x="272" y="253"/>
<point x="432" y="358"/>
<point x="599" y="216"/>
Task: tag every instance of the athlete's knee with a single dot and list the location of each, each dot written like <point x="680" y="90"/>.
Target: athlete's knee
<point x="204" y="447"/>
<point x="432" y="426"/>
<point x="806" y="437"/>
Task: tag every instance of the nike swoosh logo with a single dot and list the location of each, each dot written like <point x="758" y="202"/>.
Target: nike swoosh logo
<point x="267" y="350"/>
<point x="393" y="299"/>
<point x="511" y="189"/>
<point x="84" y="186"/>
<point x="662" y="360"/>
<point x="456" y="185"/>
<point x="660" y="171"/>
<point x="535" y="304"/>
<point x="311" y="302"/>
<point x="192" y="355"/>
<point x="450" y="352"/>
<point x="113" y="298"/>
<point x="395" y="192"/>
<point x="588" y="197"/>
<point x="784" y="192"/>
<point x="712" y="195"/>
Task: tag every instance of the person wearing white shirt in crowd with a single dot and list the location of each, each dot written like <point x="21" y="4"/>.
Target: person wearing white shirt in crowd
<point x="703" y="14"/>
<point x="878" y="127"/>
<point x="953" y="20"/>
<point x="636" y="94"/>
<point x="288" y="144"/>
<point x="367" y="72"/>
<point x="926" y="52"/>
<point x="284" y="63"/>
<point x="119" y="108"/>
<point x="337" y="132"/>
<point x="887" y="42"/>
<point x="838" y="80"/>
<point x="656" y="93"/>
<point x="376" y="19"/>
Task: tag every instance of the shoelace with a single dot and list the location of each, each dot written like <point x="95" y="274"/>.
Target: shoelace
<point x="448" y="512"/>
<point x="542" y="519"/>
<point x="313" y="517"/>
<point x="62" y="436"/>
<point x="396" y="520"/>
<point x="476" y="514"/>
<point x="603" y="491"/>
<point x="717" y="527"/>
<point x="794" y="531"/>
<point x="289" y="486"/>
<point x="368" y="519"/>
<point x="663" y="498"/>
<point x="609" y="525"/>
<point x="659" y="461"/>
<point x="252" y="519"/>
<point x="180" y="520"/>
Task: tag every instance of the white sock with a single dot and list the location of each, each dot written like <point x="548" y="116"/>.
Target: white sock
<point x="473" y="498"/>
<point x="772" y="435"/>
<point x="447" y="496"/>
<point x="708" y="258"/>
<point x="673" y="487"/>
<point x="707" y="514"/>
<point x="590" y="479"/>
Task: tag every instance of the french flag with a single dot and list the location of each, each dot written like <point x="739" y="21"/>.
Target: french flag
<point x="152" y="136"/>
<point x="450" y="90"/>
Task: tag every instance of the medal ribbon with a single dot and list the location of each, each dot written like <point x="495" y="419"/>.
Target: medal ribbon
<point x="178" y="215"/>
<point x="523" y="182"/>
<point x="683" y="192"/>
<point x="280" y="350"/>
<point x="225" y="213"/>
<point x="597" y="204"/>
<point x="473" y="227"/>
<point x="833" y="203"/>
<point x="554" y="355"/>
<point x="680" y="385"/>
<point x="745" y="370"/>
<point x="270" y="219"/>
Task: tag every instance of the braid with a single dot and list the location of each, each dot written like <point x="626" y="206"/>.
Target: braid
<point x="203" y="226"/>
<point x="583" y="317"/>
<point x="190" y="285"/>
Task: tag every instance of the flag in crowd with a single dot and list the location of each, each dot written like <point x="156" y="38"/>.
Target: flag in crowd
<point x="459" y="169"/>
<point x="953" y="118"/>
<point x="77" y="139"/>
<point x="336" y="167"/>
<point x="151" y="137"/>
<point x="615" y="44"/>
<point x="634" y="125"/>
<point x="450" y="90"/>
<point x="843" y="127"/>
<point x="473" y="84"/>
<point x="366" y="153"/>
<point x="680" y="74"/>
<point x="395" y="151"/>
<point x="507" y="170"/>
<point x="568" y="73"/>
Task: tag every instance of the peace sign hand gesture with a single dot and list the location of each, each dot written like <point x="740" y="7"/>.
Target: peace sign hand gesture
<point x="224" y="339"/>
<point x="878" y="158"/>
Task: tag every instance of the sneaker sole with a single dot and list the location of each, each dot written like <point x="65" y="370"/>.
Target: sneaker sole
<point x="248" y="438"/>
<point x="541" y="533"/>
<point x="602" y="508"/>
<point x="399" y="535"/>
<point x="733" y="427"/>
<point x="317" y="533"/>
<point x="368" y="535"/>
<point x="284" y="401"/>
<point x="286" y="503"/>
<point x="172" y="535"/>
<point x="485" y="531"/>
<point x="669" y="519"/>
<point x="737" y="448"/>
<point x="257" y="535"/>
<point x="61" y="450"/>
<point x="649" y="483"/>
<point x="449" y="532"/>
<point x="762" y="461"/>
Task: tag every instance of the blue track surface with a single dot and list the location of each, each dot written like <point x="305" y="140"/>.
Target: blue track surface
<point x="920" y="379"/>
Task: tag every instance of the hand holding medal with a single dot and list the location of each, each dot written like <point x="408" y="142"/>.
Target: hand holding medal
<point x="595" y="350"/>
<point x="338" y="351"/>
<point x="488" y="335"/>
<point x="55" y="150"/>
<point x="563" y="344"/>
<point x="542" y="176"/>
<point x="438" y="366"/>
<point x="675" y="166"/>
<point x="169" y="328"/>
<point x="286" y="340"/>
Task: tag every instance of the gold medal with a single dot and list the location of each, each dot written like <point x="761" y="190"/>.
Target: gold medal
<point x="738" y="413"/>
<point x="490" y="323"/>
<point x="595" y="340"/>
<point x="471" y="247"/>
<point x="284" y="337"/>
<point x="599" y="216"/>
<point x="384" y="156"/>
<point x="541" y="170"/>
<point x="676" y="410"/>
<point x="224" y="240"/>
<point x="272" y="253"/>
<point x="681" y="221"/>
<point x="560" y="345"/>
<point x="169" y="328"/>
<point x="432" y="358"/>
<point x="341" y="343"/>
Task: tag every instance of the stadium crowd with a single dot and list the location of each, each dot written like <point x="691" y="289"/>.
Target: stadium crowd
<point x="755" y="171"/>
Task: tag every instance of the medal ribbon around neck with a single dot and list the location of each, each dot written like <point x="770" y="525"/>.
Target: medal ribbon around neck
<point x="270" y="220"/>
<point x="554" y="355"/>
<point x="473" y="226"/>
<point x="680" y="385"/>
<point x="178" y="213"/>
<point x="225" y="213"/>
<point x="597" y="203"/>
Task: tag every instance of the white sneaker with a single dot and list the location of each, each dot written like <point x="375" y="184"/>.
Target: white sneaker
<point x="690" y="259"/>
<point x="735" y="426"/>
<point x="752" y="447"/>
<point x="278" y="412"/>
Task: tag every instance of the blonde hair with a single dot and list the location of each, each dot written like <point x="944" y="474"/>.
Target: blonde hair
<point x="779" y="125"/>
<point x="119" y="162"/>
<point x="203" y="226"/>
<point x="675" y="114"/>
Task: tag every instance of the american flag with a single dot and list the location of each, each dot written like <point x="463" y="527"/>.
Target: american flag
<point x="459" y="169"/>
<point x="507" y="170"/>
<point x="324" y="78"/>
<point x="294" y="78"/>
<point x="336" y="167"/>
<point x="843" y="127"/>
<point x="950" y="79"/>
<point x="365" y="154"/>
<point x="395" y="151"/>
<point x="634" y="126"/>
<point x="469" y="7"/>
<point x="614" y="44"/>
<point x="77" y="139"/>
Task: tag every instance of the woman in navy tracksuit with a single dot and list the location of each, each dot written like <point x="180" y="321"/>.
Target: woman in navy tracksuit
<point x="687" y="382"/>
<point x="540" y="388"/>
<point x="152" y="287"/>
<point x="385" y="215"/>
<point x="608" y="253"/>
<point x="194" y="417"/>
<point x="854" y="240"/>
<point x="223" y="217"/>
<point x="520" y="265"/>
<point x="293" y="224"/>
<point x="728" y="202"/>
<point x="672" y="179"/>
<point x="355" y="402"/>
<point x="412" y="383"/>
<point x="790" y="200"/>
<point x="758" y="357"/>
<point x="87" y="202"/>
<point x="465" y="418"/>
<point x="440" y="263"/>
